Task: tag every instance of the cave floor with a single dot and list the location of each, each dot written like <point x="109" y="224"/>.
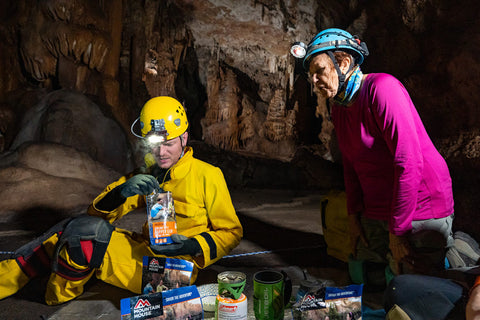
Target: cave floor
<point x="282" y="230"/>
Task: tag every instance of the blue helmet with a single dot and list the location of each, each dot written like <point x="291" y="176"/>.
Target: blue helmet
<point x="334" y="39"/>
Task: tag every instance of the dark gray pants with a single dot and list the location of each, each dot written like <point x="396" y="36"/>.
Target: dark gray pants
<point x="429" y="240"/>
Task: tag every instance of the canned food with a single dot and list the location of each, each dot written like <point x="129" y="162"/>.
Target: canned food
<point x="231" y="309"/>
<point x="231" y="284"/>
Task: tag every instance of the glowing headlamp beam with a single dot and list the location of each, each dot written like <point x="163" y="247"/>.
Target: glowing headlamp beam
<point x="155" y="138"/>
<point x="298" y="50"/>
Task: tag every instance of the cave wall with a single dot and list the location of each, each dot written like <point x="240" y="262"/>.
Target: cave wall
<point x="228" y="62"/>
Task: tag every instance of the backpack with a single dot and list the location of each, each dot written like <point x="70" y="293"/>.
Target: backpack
<point x="465" y="251"/>
<point x="463" y="259"/>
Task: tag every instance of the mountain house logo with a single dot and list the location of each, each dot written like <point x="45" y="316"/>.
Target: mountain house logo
<point x="310" y="297"/>
<point x="142" y="303"/>
<point x="154" y="265"/>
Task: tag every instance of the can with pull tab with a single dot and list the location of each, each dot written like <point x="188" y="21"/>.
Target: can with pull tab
<point x="231" y="302"/>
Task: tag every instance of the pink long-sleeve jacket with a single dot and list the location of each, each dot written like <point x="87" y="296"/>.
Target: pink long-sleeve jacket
<point x="392" y="170"/>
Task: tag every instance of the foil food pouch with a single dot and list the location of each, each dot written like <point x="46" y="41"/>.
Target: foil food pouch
<point x="161" y="217"/>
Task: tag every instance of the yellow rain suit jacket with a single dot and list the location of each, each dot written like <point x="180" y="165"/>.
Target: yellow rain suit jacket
<point x="203" y="208"/>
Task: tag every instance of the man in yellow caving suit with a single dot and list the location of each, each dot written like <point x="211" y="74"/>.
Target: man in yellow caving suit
<point x="74" y="250"/>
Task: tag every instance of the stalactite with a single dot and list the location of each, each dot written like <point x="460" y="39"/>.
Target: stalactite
<point x="85" y="46"/>
<point x="73" y="43"/>
<point x="220" y="124"/>
<point x="159" y="73"/>
<point x="37" y="60"/>
<point x="167" y="43"/>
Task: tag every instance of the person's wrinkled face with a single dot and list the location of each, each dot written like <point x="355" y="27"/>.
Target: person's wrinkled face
<point x="168" y="153"/>
<point x="323" y="76"/>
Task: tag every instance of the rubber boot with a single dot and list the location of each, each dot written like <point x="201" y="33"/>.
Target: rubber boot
<point x="12" y="278"/>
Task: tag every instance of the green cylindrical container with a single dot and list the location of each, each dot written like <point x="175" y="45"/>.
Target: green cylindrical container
<point x="231" y="284"/>
<point x="268" y="295"/>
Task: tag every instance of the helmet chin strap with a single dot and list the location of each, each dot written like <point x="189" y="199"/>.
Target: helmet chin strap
<point x="341" y="77"/>
<point x="183" y="146"/>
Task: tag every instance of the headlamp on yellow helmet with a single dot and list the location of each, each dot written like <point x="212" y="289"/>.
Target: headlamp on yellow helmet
<point x="161" y="119"/>
<point x="157" y="134"/>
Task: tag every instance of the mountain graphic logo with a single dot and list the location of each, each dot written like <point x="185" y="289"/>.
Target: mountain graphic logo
<point x="142" y="303"/>
<point x="154" y="263"/>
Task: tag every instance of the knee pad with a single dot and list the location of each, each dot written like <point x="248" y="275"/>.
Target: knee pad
<point x="86" y="239"/>
<point x="32" y="257"/>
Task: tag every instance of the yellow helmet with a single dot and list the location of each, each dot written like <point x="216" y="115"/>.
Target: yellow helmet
<point x="164" y="115"/>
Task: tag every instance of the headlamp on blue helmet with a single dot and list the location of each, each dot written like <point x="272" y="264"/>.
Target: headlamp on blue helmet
<point x="331" y="40"/>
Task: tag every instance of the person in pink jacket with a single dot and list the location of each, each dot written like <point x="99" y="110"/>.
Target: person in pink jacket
<point x="398" y="186"/>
